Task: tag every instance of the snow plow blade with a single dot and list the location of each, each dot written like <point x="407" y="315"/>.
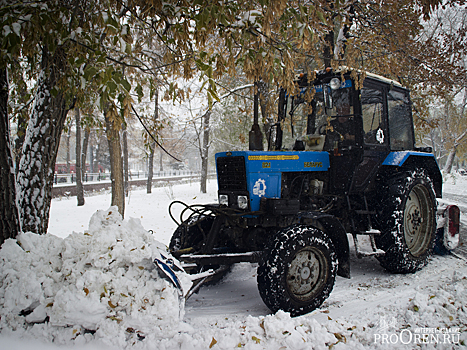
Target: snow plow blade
<point x="166" y="266"/>
<point x="171" y="270"/>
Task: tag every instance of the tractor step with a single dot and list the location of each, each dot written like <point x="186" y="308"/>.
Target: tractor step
<point x="364" y="254"/>
<point x="375" y="251"/>
<point x="372" y="231"/>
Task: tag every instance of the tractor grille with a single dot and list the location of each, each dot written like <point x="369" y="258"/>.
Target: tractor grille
<point x="231" y="173"/>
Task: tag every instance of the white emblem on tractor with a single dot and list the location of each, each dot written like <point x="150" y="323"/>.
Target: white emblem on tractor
<point x="259" y="189"/>
<point x="380" y="136"/>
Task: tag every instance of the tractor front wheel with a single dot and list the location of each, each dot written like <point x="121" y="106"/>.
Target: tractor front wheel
<point x="298" y="271"/>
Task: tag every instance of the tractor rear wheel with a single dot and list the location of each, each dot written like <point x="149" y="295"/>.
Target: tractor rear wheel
<point x="298" y="271"/>
<point x="408" y="223"/>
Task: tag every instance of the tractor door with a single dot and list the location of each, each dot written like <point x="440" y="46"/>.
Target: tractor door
<point x="344" y="137"/>
<point x="401" y="131"/>
<point x="373" y="97"/>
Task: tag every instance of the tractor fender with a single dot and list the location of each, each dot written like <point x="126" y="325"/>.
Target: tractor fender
<point x="417" y="160"/>
<point x="336" y="232"/>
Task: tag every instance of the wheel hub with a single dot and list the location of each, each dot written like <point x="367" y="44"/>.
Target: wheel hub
<point x="303" y="275"/>
<point x="414" y="219"/>
<point x="417" y="228"/>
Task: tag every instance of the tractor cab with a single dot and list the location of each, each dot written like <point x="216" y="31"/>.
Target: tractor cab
<point x="358" y="124"/>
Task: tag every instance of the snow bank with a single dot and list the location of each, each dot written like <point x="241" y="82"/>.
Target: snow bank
<point x="100" y="284"/>
<point x="431" y="315"/>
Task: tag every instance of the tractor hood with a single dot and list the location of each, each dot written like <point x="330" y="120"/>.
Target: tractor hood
<point x="259" y="174"/>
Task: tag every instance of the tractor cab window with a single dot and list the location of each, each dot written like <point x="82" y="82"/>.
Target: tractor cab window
<point x="304" y="113"/>
<point x="372" y="114"/>
<point x="340" y="125"/>
<point x="295" y="123"/>
<point x="400" y="121"/>
<point x="312" y="112"/>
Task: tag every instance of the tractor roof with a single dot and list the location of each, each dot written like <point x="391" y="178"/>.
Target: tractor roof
<point x="328" y="73"/>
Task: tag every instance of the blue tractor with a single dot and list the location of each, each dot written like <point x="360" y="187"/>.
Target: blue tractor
<point x="341" y="163"/>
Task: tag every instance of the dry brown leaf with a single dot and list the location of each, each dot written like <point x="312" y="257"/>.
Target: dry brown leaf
<point x="213" y="342"/>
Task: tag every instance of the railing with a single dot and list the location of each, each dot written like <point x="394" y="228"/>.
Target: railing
<point x="139" y="175"/>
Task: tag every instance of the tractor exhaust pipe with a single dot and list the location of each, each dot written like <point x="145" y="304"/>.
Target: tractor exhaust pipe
<point x="255" y="135"/>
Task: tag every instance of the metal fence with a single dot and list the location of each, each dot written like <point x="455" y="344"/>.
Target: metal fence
<point x="139" y="175"/>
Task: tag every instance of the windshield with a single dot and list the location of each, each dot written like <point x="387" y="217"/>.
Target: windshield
<point x="305" y="113"/>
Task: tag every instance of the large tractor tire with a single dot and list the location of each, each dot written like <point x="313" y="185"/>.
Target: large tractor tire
<point x="407" y="222"/>
<point x="298" y="271"/>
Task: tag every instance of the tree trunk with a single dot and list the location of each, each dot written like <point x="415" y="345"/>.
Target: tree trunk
<point x="21" y="124"/>
<point x="91" y="154"/>
<point x="150" y="168"/>
<point x="9" y="216"/>
<point x="125" y="159"/>
<point x="42" y="139"/>
<point x="96" y="156"/>
<point x="433" y="144"/>
<point x="450" y="161"/>
<point x="113" y="125"/>
<point x="161" y="164"/>
<point x="205" y="152"/>
<point x="21" y="118"/>
<point x="84" y="152"/>
<point x="153" y="146"/>
<point x="79" y="169"/>
<point x="68" y="157"/>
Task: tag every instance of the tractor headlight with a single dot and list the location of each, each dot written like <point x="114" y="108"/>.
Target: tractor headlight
<point x="335" y="83"/>
<point x="223" y="199"/>
<point x="242" y="202"/>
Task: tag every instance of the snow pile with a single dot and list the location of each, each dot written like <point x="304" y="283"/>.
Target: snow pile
<point x="279" y="331"/>
<point x="100" y="284"/>
<point x="446" y="304"/>
<point x="433" y="314"/>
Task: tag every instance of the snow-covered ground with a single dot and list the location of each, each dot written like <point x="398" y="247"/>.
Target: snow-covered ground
<point x="99" y="291"/>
